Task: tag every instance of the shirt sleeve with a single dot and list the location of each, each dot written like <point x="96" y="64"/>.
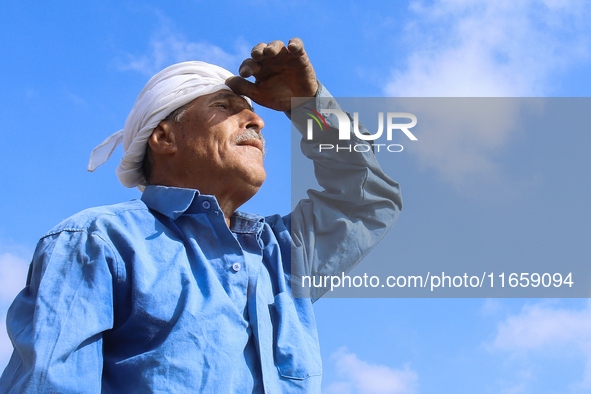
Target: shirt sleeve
<point x="56" y="322"/>
<point x="333" y="229"/>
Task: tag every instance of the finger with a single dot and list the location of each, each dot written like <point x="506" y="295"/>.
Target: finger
<point x="257" y="51"/>
<point x="274" y="49"/>
<point x="243" y="87"/>
<point x="248" y="68"/>
<point x="296" y="46"/>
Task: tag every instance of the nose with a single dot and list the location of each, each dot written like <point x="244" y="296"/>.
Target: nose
<point x="253" y="121"/>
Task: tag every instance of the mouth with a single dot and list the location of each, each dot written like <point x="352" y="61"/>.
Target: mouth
<point x="251" y="139"/>
<point x="254" y="143"/>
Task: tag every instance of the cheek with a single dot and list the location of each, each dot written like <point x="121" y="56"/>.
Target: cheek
<point x="213" y="143"/>
<point x="201" y="144"/>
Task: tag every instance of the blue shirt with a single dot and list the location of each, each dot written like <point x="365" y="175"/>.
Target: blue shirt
<point x="158" y="295"/>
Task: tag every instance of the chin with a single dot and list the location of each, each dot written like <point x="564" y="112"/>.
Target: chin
<point x="257" y="183"/>
<point x="255" y="175"/>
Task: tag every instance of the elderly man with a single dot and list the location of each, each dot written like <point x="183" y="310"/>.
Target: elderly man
<point x="179" y="292"/>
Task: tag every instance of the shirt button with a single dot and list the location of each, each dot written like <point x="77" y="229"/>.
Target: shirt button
<point x="206" y="204"/>
<point x="236" y="267"/>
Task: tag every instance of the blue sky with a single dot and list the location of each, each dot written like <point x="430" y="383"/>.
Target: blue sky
<point x="71" y="73"/>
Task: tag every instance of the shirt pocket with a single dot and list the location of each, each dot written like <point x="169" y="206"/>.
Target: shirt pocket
<point x="296" y="348"/>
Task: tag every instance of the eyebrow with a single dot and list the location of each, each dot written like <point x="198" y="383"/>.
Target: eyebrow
<point x="231" y="95"/>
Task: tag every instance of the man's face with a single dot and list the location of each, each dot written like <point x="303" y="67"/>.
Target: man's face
<point x="219" y="143"/>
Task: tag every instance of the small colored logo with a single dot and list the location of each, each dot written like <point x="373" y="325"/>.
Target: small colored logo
<point x="315" y="115"/>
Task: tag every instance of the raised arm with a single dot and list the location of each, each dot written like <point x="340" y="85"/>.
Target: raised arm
<point x="334" y="228"/>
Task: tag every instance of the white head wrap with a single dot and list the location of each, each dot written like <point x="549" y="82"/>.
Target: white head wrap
<point x="168" y="90"/>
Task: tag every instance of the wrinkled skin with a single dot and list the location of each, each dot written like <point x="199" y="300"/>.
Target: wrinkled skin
<point x="281" y="72"/>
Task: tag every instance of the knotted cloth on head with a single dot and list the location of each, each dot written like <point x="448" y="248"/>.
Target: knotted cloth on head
<point x="168" y="90"/>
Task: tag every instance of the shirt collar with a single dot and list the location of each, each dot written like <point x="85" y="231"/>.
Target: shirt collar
<point x="248" y="223"/>
<point x="169" y="201"/>
<point x="174" y="202"/>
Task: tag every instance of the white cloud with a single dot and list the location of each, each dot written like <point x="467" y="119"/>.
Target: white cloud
<point x="360" y="377"/>
<point x="13" y="274"/>
<point x="492" y="48"/>
<point x="541" y="331"/>
<point x="73" y="98"/>
<point x="491" y="307"/>
<point x="539" y="325"/>
<point x="458" y="137"/>
<point x="168" y="47"/>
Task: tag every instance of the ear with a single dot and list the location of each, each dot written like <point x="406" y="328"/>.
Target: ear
<point x="162" y="141"/>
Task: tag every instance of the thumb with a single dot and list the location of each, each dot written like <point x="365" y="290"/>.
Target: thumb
<point x="243" y="87"/>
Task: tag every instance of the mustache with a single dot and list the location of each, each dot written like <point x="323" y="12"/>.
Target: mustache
<point x="250" y="134"/>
